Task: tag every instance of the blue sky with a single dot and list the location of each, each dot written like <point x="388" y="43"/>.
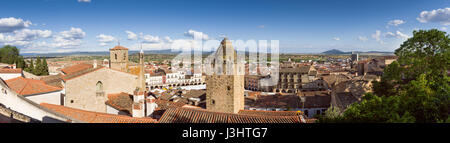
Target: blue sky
<point x="302" y="26"/>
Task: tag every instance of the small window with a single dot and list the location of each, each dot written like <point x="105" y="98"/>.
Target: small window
<point x="99" y="86"/>
<point x="115" y="56"/>
<point x="229" y="88"/>
<point x="213" y="102"/>
<point x="71" y="101"/>
<point x="124" y="56"/>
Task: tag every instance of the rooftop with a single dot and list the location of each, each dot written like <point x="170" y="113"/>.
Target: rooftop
<point x="120" y="101"/>
<point x="25" y="86"/>
<point x="76" y="68"/>
<point x="119" y="48"/>
<point x="95" y="117"/>
<point x="7" y="70"/>
<point x="195" y="115"/>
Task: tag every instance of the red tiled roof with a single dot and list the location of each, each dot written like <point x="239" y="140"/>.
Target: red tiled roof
<point x="76" y="68"/>
<point x="80" y="73"/>
<point x="95" y="117"/>
<point x="119" y="48"/>
<point x="164" y="104"/>
<point x="193" y="115"/>
<point x="25" y="86"/>
<point x="6" y="70"/>
<point x="270" y="113"/>
<point x="120" y="101"/>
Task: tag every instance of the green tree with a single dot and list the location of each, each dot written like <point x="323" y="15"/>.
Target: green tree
<point x="30" y="68"/>
<point x="45" y="67"/>
<point x="9" y="54"/>
<point x="38" y="69"/>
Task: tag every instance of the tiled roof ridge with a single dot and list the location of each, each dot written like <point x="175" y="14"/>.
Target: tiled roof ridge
<point x="73" y="76"/>
<point x="23" y="88"/>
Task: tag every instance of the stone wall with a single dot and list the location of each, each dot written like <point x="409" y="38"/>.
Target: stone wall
<point x="225" y="93"/>
<point x="81" y="92"/>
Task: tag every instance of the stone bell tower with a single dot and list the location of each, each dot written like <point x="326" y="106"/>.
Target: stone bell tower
<point x="118" y="57"/>
<point x="225" y="87"/>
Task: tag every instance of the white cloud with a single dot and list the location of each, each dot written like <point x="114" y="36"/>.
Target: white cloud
<point x="336" y="38"/>
<point x="84" y="1"/>
<point x="196" y="34"/>
<point x="396" y="22"/>
<point x="131" y="35"/>
<point x="397" y="34"/>
<point x="362" y="38"/>
<point x="438" y="15"/>
<point x="401" y="35"/>
<point x="24" y="37"/>
<point x="12" y="24"/>
<point x="149" y="38"/>
<point x="105" y="39"/>
<point x="389" y="35"/>
<point x="67" y="39"/>
<point x="444" y="28"/>
<point x="377" y="36"/>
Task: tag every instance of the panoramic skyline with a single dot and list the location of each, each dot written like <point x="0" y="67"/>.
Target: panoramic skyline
<point x="48" y="26"/>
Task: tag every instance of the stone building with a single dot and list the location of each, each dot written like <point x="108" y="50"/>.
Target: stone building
<point x="88" y="89"/>
<point x="225" y="87"/>
<point x="119" y="58"/>
<point x="86" y="86"/>
<point x="292" y="80"/>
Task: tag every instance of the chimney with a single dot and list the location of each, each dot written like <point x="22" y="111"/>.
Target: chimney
<point x="151" y="105"/>
<point x="95" y="64"/>
<point x="138" y="107"/>
<point x="138" y="96"/>
<point x="138" y="110"/>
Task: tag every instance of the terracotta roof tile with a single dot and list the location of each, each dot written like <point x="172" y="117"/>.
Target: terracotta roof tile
<point x="95" y="117"/>
<point x="194" y="115"/>
<point x="25" y="86"/>
<point x="270" y="113"/>
<point x="120" y="101"/>
<point x="80" y="73"/>
<point x="6" y="70"/>
<point x="76" y="68"/>
<point x="119" y="48"/>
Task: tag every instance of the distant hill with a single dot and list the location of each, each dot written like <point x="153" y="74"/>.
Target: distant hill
<point x="335" y="51"/>
<point x="339" y="52"/>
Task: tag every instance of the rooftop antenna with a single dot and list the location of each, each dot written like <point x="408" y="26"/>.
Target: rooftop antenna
<point x="118" y="41"/>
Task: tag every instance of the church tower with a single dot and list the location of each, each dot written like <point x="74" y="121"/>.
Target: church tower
<point x="141" y="84"/>
<point x="225" y="87"/>
<point x="118" y="57"/>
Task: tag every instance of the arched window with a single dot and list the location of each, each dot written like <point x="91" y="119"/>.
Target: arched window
<point x="115" y="56"/>
<point x="124" y="56"/>
<point x="99" y="86"/>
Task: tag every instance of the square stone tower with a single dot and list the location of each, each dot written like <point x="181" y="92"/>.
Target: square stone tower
<point x="119" y="58"/>
<point x="225" y="87"/>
